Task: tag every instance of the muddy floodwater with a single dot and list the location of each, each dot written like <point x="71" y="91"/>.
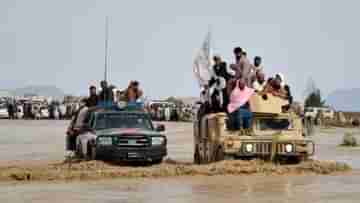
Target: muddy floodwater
<point x="32" y="142"/>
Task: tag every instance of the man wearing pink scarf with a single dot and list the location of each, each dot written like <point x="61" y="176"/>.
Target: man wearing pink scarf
<point x="239" y="106"/>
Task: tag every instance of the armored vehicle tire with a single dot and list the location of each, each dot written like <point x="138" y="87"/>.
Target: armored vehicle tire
<point x="197" y="156"/>
<point x="293" y="159"/>
<point x="157" y="161"/>
<point x="219" y="156"/>
<point x="302" y="158"/>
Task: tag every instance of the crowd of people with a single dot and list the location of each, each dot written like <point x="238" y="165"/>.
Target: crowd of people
<point x="30" y="108"/>
<point x="35" y="108"/>
<point x="168" y="111"/>
<point x="231" y="87"/>
<point x="38" y="109"/>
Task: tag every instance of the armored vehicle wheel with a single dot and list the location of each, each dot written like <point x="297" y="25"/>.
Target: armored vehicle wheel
<point x="305" y="157"/>
<point x="197" y="156"/>
<point x="296" y="160"/>
<point x="291" y="160"/>
<point x="219" y="156"/>
<point x="157" y="161"/>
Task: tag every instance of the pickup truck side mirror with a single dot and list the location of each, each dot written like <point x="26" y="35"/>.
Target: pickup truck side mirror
<point x="160" y="128"/>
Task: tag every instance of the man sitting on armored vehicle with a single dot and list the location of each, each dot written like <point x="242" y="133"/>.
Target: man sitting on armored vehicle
<point x="289" y="97"/>
<point x="239" y="107"/>
<point x="281" y="78"/>
<point x="217" y="84"/>
<point x="220" y="69"/>
<point x="285" y="87"/>
<point x="257" y="67"/>
<point x="274" y="87"/>
<point x="259" y="83"/>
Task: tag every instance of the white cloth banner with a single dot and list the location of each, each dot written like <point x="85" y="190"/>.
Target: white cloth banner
<point x="201" y="64"/>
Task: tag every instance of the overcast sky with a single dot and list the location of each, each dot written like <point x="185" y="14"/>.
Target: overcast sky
<point x="53" y="42"/>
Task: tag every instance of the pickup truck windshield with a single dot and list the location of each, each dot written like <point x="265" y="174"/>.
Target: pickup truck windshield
<point x="274" y="124"/>
<point x="138" y="121"/>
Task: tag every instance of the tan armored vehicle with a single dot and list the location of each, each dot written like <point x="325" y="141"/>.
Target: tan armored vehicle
<point x="274" y="135"/>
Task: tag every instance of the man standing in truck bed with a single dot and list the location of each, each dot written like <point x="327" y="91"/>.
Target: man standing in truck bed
<point x="93" y="98"/>
<point x="106" y="93"/>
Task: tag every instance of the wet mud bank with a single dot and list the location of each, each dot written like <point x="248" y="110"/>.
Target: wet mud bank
<point x="96" y="170"/>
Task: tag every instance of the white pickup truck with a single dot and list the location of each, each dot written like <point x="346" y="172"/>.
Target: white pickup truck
<point x="3" y="111"/>
<point x="312" y="112"/>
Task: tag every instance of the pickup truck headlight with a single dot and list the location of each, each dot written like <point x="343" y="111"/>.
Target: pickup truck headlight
<point x="104" y="141"/>
<point x="157" y="141"/>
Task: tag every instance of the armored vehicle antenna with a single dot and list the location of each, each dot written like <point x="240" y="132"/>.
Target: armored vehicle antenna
<point x="106" y="46"/>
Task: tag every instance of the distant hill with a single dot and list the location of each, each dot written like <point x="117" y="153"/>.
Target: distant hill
<point x="5" y="93"/>
<point x="345" y="100"/>
<point x="40" y="90"/>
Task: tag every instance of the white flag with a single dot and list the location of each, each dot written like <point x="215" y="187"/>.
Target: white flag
<point x="201" y="65"/>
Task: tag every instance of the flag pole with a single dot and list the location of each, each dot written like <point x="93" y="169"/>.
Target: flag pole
<point x="210" y="40"/>
<point x="106" y="47"/>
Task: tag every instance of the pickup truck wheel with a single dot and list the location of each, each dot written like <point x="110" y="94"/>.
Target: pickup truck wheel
<point x="91" y="152"/>
<point x="78" y="151"/>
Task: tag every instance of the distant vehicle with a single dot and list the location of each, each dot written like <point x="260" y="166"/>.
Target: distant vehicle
<point x="165" y="109"/>
<point x="312" y="112"/>
<point x="274" y="134"/>
<point x="3" y="111"/>
<point x="44" y="113"/>
<point x="35" y="111"/>
<point x="20" y="112"/>
<point x="122" y="135"/>
<point x="162" y="104"/>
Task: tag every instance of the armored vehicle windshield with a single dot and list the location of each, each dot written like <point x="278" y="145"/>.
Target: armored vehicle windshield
<point x="273" y="124"/>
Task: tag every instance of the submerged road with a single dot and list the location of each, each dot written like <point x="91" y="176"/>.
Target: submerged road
<point x="41" y="141"/>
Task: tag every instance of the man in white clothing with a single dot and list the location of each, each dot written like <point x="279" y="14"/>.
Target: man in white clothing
<point x="259" y="83"/>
